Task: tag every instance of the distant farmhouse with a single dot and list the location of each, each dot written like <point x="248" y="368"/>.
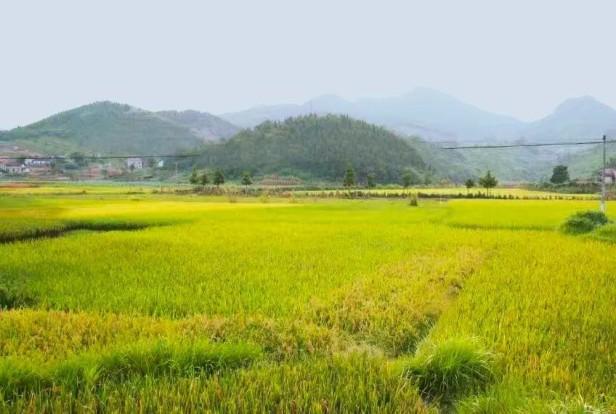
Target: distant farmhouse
<point x="13" y="167"/>
<point x="134" y="163"/>
<point x="609" y="175"/>
<point x="36" y="162"/>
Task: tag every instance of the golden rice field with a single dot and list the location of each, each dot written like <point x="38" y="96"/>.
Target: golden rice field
<point x="169" y="303"/>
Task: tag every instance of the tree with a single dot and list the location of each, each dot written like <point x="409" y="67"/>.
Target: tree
<point x="371" y="180"/>
<point x="79" y="158"/>
<point x="219" y="177"/>
<point x="470" y="183"/>
<point x="194" y="178"/>
<point x="560" y="174"/>
<point x="246" y="179"/>
<point x="203" y="179"/>
<point x="488" y="181"/>
<point x="407" y="178"/>
<point x="349" y="177"/>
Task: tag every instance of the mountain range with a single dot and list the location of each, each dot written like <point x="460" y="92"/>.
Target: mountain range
<point x="436" y="116"/>
<point x="424" y="118"/>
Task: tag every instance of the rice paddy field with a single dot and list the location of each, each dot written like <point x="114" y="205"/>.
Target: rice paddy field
<point x="183" y="303"/>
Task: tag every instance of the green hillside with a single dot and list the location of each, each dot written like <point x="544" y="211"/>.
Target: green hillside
<point x="313" y="146"/>
<point x="106" y="128"/>
<point x="508" y="164"/>
<point x="204" y="125"/>
<point x="587" y="163"/>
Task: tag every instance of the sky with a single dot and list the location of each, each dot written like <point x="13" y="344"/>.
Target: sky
<point x="520" y="58"/>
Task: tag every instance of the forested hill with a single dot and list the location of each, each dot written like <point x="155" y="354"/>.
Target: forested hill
<point x="316" y="147"/>
<point x="112" y="128"/>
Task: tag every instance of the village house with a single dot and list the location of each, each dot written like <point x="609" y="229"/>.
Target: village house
<point x="13" y="167"/>
<point x="609" y="175"/>
<point x="37" y="162"/>
<point x="134" y="163"/>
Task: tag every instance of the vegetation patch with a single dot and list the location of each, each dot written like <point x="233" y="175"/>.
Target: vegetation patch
<point x="12" y="298"/>
<point x="309" y="285"/>
<point x="395" y="309"/>
<point x="447" y="371"/>
<point x="65" y="227"/>
<point x="137" y="360"/>
<point x="584" y="222"/>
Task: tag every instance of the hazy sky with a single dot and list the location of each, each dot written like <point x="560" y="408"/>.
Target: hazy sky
<point x="517" y="57"/>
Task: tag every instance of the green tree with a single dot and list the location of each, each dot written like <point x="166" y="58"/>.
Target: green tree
<point x="194" y="177"/>
<point x="219" y="178"/>
<point x="560" y="174"/>
<point x="488" y="181"/>
<point x="408" y="178"/>
<point x="79" y="158"/>
<point x="204" y="179"/>
<point x="470" y="183"/>
<point x="371" y="180"/>
<point x="246" y="179"/>
<point x="349" y="177"/>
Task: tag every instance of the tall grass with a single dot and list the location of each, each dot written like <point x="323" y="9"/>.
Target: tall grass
<point x="136" y="360"/>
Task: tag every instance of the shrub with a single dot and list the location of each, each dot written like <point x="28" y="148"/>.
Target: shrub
<point x="584" y="222"/>
<point x="413" y="200"/>
<point x="453" y="369"/>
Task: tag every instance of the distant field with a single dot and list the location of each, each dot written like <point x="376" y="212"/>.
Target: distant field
<point x="462" y="191"/>
<point x="168" y="302"/>
<point x="82" y="188"/>
<point x="67" y="188"/>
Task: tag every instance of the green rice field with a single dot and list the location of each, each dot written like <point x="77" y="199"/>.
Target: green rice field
<point x="147" y="302"/>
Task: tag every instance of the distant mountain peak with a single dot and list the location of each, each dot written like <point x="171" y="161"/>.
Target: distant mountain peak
<point x="578" y="118"/>
<point x="582" y="104"/>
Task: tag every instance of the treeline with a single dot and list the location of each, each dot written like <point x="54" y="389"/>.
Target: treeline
<point x="313" y="146"/>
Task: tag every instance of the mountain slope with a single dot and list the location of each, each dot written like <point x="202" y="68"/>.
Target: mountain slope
<point x="107" y="128"/>
<point x="313" y="146"/>
<point x="111" y="128"/>
<point x="508" y="165"/>
<point x="438" y="111"/>
<point x="205" y="126"/>
<point x="580" y="119"/>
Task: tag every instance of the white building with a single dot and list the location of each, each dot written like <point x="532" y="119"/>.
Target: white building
<point x="134" y="163"/>
<point x="13" y="167"/>
<point x="37" y="162"/>
<point x="609" y="175"/>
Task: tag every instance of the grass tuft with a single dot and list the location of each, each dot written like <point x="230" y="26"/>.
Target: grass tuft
<point x="584" y="222"/>
<point x="450" y="370"/>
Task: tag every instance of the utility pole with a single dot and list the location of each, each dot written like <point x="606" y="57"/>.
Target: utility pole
<point x="603" y="205"/>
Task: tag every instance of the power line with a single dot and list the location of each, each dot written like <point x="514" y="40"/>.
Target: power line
<point x="544" y="144"/>
<point x="603" y="141"/>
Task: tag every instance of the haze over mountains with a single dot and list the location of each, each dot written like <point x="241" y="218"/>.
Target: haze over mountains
<point x="436" y="116"/>
<point x="419" y="117"/>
